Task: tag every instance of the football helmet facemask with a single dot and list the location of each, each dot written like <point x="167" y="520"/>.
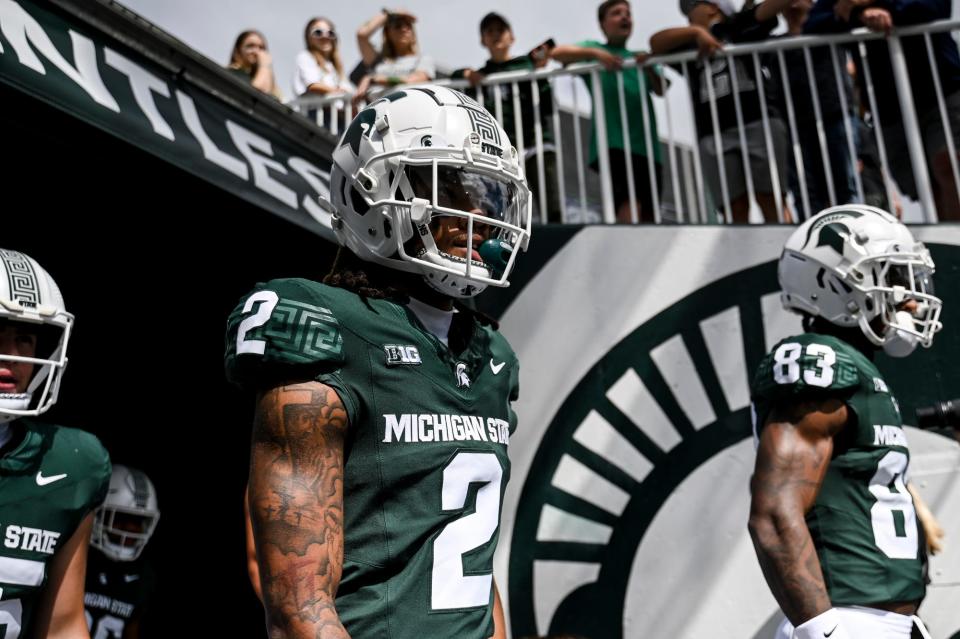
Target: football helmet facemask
<point x="424" y="180"/>
<point x="29" y="297"/>
<point x="123" y="524"/>
<point x="858" y="266"/>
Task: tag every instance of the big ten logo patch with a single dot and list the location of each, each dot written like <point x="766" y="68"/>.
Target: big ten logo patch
<point x="397" y="354"/>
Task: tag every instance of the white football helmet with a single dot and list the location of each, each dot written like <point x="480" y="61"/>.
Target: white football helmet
<point x="28" y="295"/>
<point x="856" y="265"/>
<point x="423" y="155"/>
<point x="123" y="524"/>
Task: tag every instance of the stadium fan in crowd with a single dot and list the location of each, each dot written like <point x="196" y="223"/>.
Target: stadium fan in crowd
<point x="383" y="407"/>
<point x="835" y="120"/>
<point x="251" y="62"/>
<point x="713" y="23"/>
<point x="497" y="36"/>
<point x="835" y="526"/>
<point x="399" y="60"/>
<point x="616" y="22"/>
<point x="831" y="16"/>
<point x="51" y="478"/>
<point x="120" y="581"/>
<point x="319" y="69"/>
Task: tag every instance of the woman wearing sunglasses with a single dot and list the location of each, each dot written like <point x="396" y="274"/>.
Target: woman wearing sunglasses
<point x="319" y="69"/>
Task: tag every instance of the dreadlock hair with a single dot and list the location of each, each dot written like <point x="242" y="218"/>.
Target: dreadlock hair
<point x="369" y="280"/>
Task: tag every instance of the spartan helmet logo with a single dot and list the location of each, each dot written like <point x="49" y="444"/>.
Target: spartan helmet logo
<point x="462" y="380"/>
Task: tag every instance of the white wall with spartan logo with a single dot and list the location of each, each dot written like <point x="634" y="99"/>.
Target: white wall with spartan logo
<point x="692" y="571"/>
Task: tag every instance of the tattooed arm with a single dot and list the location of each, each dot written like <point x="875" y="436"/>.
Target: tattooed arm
<point x="795" y="448"/>
<point x="296" y="504"/>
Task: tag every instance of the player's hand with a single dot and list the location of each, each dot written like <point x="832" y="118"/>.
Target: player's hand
<point x="609" y="61"/>
<point x="934" y="534"/>
<point x="931" y="527"/>
<point x="877" y="20"/>
<point x="826" y="624"/>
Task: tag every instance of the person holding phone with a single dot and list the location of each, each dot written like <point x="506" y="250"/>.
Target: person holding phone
<point x="497" y="36"/>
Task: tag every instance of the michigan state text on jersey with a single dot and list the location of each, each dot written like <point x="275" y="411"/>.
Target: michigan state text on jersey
<point x="379" y="457"/>
<point x="425" y="464"/>
<point x="49" y="482"/>
<point x="862" y="522"/>
<point x="116" y="594"/>
<point x="831" y="517"/>
<point x="51" y="478"/>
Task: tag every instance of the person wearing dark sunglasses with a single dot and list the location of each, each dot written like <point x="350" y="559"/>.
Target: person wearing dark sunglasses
<point x="319" y="69"/>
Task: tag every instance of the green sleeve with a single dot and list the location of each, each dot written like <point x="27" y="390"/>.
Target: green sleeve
<point x="284" y="330"/>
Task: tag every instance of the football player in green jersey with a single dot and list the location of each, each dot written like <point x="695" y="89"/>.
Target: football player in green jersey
<point x="119" y="581"/>
<point x="51" y="478"/>
<point x="832" y="521"/>
<point x="384" y="406"/>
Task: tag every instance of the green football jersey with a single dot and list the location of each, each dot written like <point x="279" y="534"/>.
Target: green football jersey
<point x="863" y="522"/>
<point x="115" y="593"/>
<point x="49" y="482"/>
<point x="426" y="455"/>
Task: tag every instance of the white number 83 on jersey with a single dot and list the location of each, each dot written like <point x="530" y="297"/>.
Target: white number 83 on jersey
<point x="786" y="368"/>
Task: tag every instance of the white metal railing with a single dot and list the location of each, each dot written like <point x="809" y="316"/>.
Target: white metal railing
<point x="683" y="193"/>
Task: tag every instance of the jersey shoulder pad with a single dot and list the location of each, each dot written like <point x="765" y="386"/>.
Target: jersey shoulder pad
<point x="80" y="456"/>
<point x="808" y="364"/>
<point x="283" y="330"/>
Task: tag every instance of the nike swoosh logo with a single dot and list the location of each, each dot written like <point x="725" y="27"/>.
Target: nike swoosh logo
<point x="496" y="368"/>
<point x="130" y="578"/>
<point x="827" y="634"/>
<point x="43" y="481"/>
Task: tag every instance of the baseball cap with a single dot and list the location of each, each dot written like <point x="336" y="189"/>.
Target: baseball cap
<point x="491" y="19"/>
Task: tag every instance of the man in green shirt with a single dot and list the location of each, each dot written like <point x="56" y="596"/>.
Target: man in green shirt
<point x="616" y="22"/>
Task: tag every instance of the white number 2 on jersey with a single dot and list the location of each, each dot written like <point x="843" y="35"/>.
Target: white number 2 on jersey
<point x="269" y="301"/>
<point x="894" y="520"/>
<point x="451" y="589"/>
